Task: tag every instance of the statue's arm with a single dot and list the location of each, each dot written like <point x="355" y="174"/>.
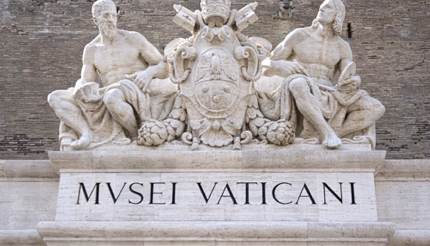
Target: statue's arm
<point x="157" y="67"/>
<point x="284" y="49"/>
<point x="346" y="69"/>
<point x="85" y="89"/>
<point x="278" y="63"/>
<point x="88" y="71"/>
<point x="346" y="53"/>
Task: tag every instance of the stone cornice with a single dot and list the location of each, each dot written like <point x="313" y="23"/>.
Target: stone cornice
<point x="193" y="230"/>
<point x="301" y="156"/>
<point x="42" y="169"/>
<point x="20" y="237"/>
<point x="401" y="169"/>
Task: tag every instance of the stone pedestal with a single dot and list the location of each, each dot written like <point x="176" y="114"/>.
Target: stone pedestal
<point x="261" y="195"/>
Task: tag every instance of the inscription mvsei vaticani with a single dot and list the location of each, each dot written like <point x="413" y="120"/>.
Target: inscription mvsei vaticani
<point x="216" y="193"/>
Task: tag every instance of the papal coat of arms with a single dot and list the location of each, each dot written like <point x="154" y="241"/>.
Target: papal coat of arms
<point x="216" y="69"/>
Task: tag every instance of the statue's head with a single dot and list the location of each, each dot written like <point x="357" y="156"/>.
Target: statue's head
<point x="331" y="11"/>
<point x="215" y="11"/>
<point x="105" y="16"/>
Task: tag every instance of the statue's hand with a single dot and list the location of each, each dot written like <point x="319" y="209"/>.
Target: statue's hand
<point x="266" y="65"/>
<point x="350" y="84"/>
<point x="282" y="68"/>
<point x="288" y="68"/>
<point x="142" y="79"/>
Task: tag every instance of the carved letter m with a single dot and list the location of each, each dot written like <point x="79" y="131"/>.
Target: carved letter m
<point x="96" y="188"/>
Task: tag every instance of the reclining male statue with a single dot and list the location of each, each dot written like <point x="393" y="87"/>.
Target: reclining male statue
<point x="124" y="63"/>
<point x="303" y="68"/>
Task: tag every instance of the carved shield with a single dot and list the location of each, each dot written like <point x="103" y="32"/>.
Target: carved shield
<point x="216" y="83"/>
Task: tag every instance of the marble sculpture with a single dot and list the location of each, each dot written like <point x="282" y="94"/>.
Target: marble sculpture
<point x="217" y="88"/>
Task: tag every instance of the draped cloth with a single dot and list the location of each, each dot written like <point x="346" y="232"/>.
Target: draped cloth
<point x="278" y="102"/>
<point x="89" y="99"/>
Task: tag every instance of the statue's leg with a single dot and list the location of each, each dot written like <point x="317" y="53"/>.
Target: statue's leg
<point x="361" y="115"/>
<point x="64" y="106"/>
<point x="307" y="104"/>
<point x="121" y="111"/>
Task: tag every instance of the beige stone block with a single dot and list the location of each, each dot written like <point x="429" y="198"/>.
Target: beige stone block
<point x="405" y="203"/>
<point x="24" y="204"/>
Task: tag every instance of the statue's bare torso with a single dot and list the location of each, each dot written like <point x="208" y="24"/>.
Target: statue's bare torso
<point x="114" y="61"/>
<point x="324" y="51"/>
<point x="321" y="56"/>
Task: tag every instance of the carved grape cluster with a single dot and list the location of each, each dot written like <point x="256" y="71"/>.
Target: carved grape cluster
<point x="279" y="132"/>
<point x="155" y="132"/>
<point x="152" y="133"/>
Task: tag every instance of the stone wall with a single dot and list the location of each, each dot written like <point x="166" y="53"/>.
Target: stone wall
<point x="41" y="43"/>
<point x="30" y="190"/>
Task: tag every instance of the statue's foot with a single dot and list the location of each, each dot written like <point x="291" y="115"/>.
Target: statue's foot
<point x="82" y="143"/>
<point x="332" y="141"/>
<point x="66" y="143"/>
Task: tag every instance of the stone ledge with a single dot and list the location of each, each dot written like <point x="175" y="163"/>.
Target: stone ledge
<point x="200" y="230"/>
<point x="391" y="169"/>
<point x="32" y="237"/>
<point x="27" y="169"/>
<point x="20" y="237"/>
<point x="414" y="169"/>
<point x="300" y="156"/>
<point x="411" y="237"/>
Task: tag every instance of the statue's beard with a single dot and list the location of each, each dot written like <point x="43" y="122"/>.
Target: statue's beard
<point x="108" y="30"/>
